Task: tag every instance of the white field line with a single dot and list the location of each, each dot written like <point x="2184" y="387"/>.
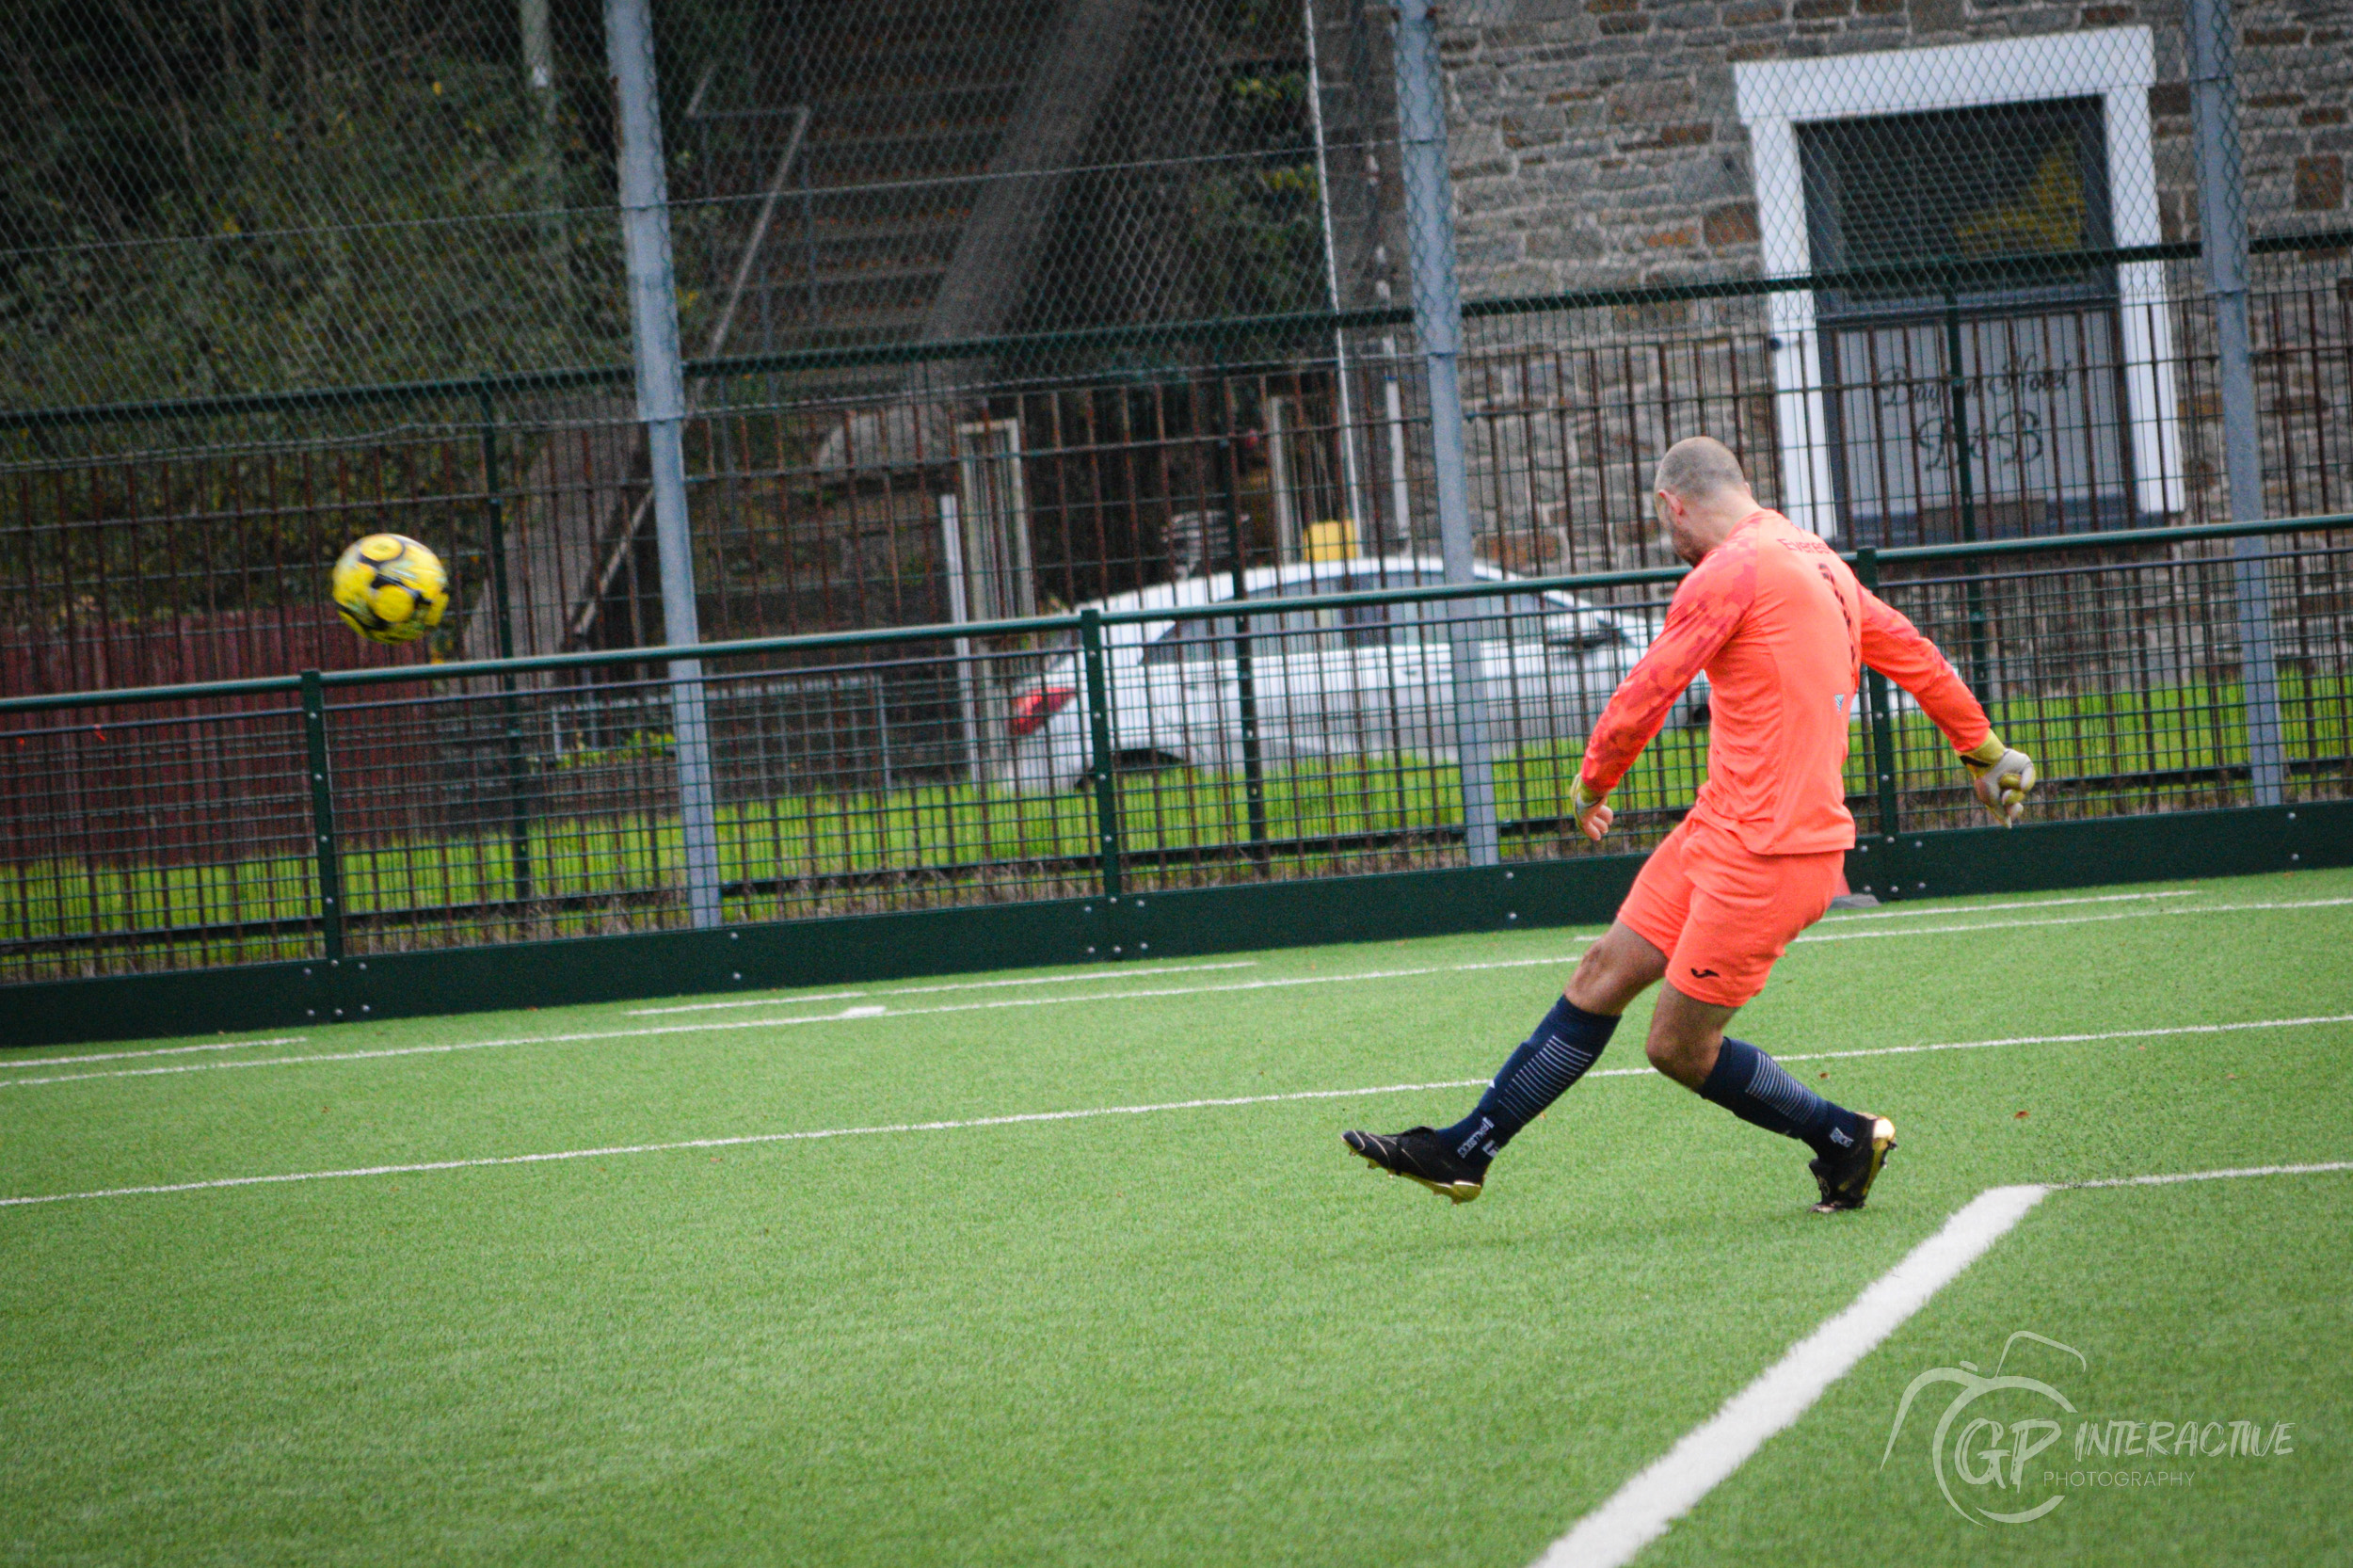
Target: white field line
<point x="743" y="1140"/>
<point x="1641" y="1510"/>
<point x="847" y="1016"/>
<point x="1050" y="980"/>
<point x="2022" y="1040"/>
<point x="2075" y="920"/>
<point x="2077" y="1039"/>
<point x="2319" y="1169"/>
<point x="985" y="984"/>
<point x="1950" y="912"/>
<point x="162" y="1050"/>
<point x="862" y="1013"/>
<point x="1095" y="1112"/>
<point x="1095" y="978"/>
<point x="750" y="1001"/>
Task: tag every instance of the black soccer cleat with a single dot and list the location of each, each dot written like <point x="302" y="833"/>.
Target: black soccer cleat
<point x="1416" y="1154"/>
<point x="1846" y="1182"/>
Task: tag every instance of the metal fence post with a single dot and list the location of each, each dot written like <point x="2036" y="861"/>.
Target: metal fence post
<point x="1101" y="757"/>
<point x="327" y="850"/>
<point x="1438" y="322"/>
<point x="1245" y="673"/>
<point x="1964" y="489"/>
<point x="662" y="407"/>
<point x="1876" y="709"/>
<point x="494" y="527"/>
<point x="2222" y="231"/>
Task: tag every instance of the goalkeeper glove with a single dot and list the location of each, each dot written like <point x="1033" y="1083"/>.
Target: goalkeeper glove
<point x="2002" y="776"/>
<point x="1593" y="816"/>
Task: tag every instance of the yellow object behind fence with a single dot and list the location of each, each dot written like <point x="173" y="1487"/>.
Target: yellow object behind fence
<point x="1333" y="539"/>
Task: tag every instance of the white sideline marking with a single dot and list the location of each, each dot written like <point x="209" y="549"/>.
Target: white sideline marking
<point x="2022" y="1040"/>
<point x="1185" y="1105"/>
<point x="846" y="1015"/>
<point x="2321" y="1168"/>
<point x="2075" y="920"/>
<point x="1641" y="1510"/>
<point x="857" y="1014"/>
<point x="1125" y="974"/>
<point x="959" y="986"/>
<point x="741" y="1141"/>
<point x="160" y="1050"/>
<point x="1987" y="908"/>
<point x="750" y="1001"/>
<point x="2078" y="1039"/>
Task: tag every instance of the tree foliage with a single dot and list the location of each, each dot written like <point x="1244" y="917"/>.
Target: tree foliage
<point x="203" y="198"/>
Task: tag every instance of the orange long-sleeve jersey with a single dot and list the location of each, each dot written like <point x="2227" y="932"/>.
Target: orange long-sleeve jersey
<point x="1782" y="630"/>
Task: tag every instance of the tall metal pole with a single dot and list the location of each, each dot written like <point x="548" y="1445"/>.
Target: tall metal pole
<point x="502" y="623"/>
<point x="546" y="161"/>
<point x="2222" y="228"/>
<point x="1345" y="401"/>
<point x="1964" y="480"/>
<point x="1245" y="674"/>
<point x="662" y="405"/>
<point x="1438" y="322"/>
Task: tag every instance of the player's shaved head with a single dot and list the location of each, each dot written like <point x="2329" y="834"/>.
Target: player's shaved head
<point x="1702" y="494"/>
<point x="1699" y="466"/>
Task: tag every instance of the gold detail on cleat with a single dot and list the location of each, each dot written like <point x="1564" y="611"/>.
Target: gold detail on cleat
<point x="1457" y="1191"/>
<point x="1882" y="1144"/>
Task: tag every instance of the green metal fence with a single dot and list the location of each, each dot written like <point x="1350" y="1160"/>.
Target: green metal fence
<point x="1177" y="739"/>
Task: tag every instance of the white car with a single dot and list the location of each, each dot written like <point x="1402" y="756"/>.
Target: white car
<point x="1354" y="680"/>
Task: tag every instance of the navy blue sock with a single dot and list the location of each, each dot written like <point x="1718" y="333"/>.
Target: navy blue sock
<point x="1757" y="1089"/>
<point x="1568" y="1041"/>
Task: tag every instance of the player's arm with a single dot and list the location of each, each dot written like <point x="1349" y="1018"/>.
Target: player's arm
<point x="1706" y="610"/>
<point x="2002" y="775"/>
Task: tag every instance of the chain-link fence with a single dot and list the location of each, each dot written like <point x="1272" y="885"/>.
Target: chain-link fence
<point x="277" y="275"/>
<point x="689" y="321"/>
<point x="931" y="500"/>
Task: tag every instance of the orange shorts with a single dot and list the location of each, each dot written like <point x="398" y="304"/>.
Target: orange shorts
<point x="1722" y="914"/>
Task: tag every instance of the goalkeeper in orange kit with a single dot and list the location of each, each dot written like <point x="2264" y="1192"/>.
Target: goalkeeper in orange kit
<point x="1783" y="630"/>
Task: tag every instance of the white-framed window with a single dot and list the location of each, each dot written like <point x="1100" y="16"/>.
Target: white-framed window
<point x="1966" y="150"/>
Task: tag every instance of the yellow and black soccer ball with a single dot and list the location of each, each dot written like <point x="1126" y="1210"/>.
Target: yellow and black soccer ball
<point x="391" y="588"/>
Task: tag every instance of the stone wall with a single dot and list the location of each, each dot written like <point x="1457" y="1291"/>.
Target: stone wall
<point x="1597" y="141"/>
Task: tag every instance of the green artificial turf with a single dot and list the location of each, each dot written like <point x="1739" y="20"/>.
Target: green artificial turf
<point x="1179" y="1337"/>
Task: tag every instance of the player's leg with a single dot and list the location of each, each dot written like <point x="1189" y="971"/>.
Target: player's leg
<point x="1453" y="1160"/>
<point x="1615" y="971"/>
<point x="1744" y="911"/>
<point x="1688" y="1043"/>
<point x="1626" y="962"/>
